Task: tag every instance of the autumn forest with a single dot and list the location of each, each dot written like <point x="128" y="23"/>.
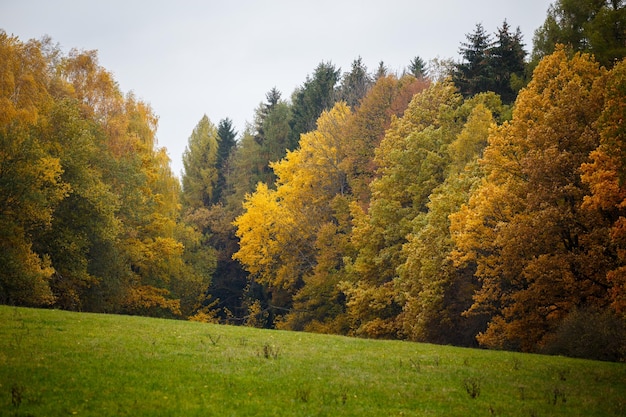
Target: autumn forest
<point x="476" y="202"/>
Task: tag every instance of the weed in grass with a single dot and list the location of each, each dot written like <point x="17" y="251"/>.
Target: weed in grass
<point x="17" y="392"/>
<point x="563" y="374"/>
<point x="22" y="330"/>
<point x="270" y="351"/>
<point x="344" y="397"/>
<point x="214" y="339"/>
<point x="303" y="394"/>
<point x="557" y="395"/>
<point x="472" y="387"/>
<point x="416" y="365"/>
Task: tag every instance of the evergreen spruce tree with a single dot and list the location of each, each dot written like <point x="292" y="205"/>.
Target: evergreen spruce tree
<point x="475" y="73"/>
<point x="355" y="84"/>
<point x="309" y="101"/>
<point x="508" y="64"/>
<point x="417" y="68"/>
<point x="226" y="143"/>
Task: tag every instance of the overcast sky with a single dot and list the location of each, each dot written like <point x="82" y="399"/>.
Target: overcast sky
<point x="189" y="58"/>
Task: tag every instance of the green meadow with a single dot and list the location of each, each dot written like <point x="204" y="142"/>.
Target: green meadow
<point x="58" y="363"/>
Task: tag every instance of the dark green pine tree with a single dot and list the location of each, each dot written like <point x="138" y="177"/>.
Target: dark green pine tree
<point x="508" y="62"/>
<point x="381" y="71"/>
<point x="417" y="68"/>
<point x="309" y="101"/>
<point x="262" y="113"/>
<point x="475" y="73"/>
<point x="226" y="143"/>
<point x="355" y="84"/>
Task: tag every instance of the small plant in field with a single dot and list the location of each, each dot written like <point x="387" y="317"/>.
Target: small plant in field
<point x="415" y="365"/>
<point x="303" y="394"/>
<point x="344" y="397"/>
<point x="472" y="386"/>
<point x="563" y="374"/>
<point x="17" y="391"/>
<point x="558" y="395"/>
<point x="270" y="351"/>
<point x="214" y="339"/>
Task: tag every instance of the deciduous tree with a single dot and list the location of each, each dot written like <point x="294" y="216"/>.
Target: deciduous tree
<point x="411" y="164"/>
<point x="593" y="26"/>
<point x="535" y="249"/>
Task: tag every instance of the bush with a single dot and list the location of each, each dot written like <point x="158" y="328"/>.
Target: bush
<point x="590" y="334"/>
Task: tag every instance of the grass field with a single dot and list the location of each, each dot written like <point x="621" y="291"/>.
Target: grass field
<point x="56" y="363"/>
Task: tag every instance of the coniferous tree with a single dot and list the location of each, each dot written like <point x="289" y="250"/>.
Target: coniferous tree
<point x="263" y="111"/>
<point x="355" y="84"/>
<point x="200" y="165"/>
<point x="381" y="71"/>
<point x="272" y="134"/>
<point x="475" y="73"/>
<point x="508" y="56"/>
<point x="318" y="93"/>
<point x="226" y="137"/>
<point x="417" y="68"/>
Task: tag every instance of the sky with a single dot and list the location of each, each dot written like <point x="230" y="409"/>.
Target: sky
<point x="188" y="58"/>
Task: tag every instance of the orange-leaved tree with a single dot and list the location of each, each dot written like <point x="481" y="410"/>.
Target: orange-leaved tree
<point x="606" y="176"/>
<point x="538" y="255"/>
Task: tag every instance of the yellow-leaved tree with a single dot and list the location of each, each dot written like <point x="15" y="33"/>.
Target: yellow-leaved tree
<point x="278" y="229"/>
<point x="30" y="175"/>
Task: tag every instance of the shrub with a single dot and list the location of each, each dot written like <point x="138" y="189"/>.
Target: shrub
<point x="589" y="334"/>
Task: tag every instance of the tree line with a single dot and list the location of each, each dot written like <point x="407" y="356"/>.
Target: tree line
<point x="477" y="202"/>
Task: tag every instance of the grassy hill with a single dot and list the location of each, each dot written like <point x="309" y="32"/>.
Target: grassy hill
<point x="56" y="363"/>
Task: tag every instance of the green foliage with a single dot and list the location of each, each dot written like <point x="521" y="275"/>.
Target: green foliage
<point x="200" y="175"/>
<point x="355" y="84"/>
<point x="417" y="68"/>
<point x="434" y="292"/>
<point x="30" y="176"/>
<point x="491" y="65"/>
<point x="318" y="93"/>
<point x="412" y="161"/>
<point x="590" y="334"/>
<point x="475" y="73"/>
<point x="592" y="26"/>
<point x="227" y="143"/>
